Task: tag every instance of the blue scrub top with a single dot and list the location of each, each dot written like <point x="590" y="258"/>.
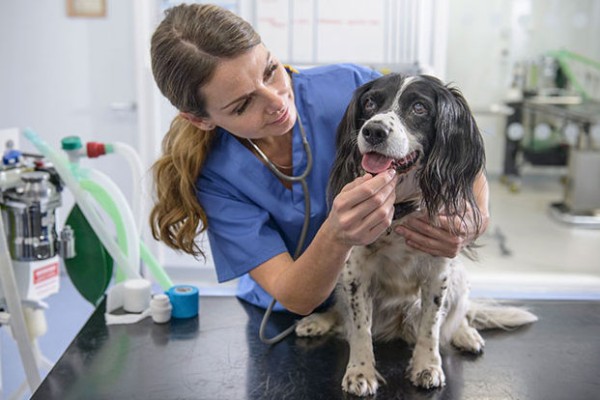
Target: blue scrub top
<point x="251" y="216"/>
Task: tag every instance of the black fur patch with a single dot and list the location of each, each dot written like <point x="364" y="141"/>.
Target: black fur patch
<point x="354" y="285"/>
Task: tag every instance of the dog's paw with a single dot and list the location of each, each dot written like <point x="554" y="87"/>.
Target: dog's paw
<point x="426" y="374"/>
<point x="314" y="325"/>
<point x="361" y="380"/>
<point x="429" y="377"/>
<point x="466" y="338"/>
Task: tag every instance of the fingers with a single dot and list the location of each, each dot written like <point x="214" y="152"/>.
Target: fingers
<point x="373" y="224"/>
<point x="437" y="241"/>
<point x="456" y="225"/>
<point x="356" y="182"/>
<point x="364" y="208"/>
<point x="366" y="186"/>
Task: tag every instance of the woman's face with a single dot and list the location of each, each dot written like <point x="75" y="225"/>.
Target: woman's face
<point x="250" y="96"/>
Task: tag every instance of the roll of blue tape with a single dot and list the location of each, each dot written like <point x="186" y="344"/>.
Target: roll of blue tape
<point x="185" y="300"/>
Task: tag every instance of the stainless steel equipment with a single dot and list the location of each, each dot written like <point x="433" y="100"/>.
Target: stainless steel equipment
<point x="28" y="200"/>
<point x="29" y="253"/>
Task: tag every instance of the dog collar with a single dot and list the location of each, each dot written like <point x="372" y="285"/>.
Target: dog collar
<point x="404" y="208"/>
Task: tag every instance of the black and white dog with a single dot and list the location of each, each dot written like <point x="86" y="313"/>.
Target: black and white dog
<point x="425" y="130"/>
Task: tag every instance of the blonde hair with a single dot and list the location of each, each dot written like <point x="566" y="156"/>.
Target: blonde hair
<point x="186" y="48"/>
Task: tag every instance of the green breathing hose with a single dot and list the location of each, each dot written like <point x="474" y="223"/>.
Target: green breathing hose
<point x="157" y="271"/>
<point x="104" y="199"/>
<point x="108" y="204"/>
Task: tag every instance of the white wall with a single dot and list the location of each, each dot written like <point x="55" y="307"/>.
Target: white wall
<point x="64" y="76"/>
<point x="391" y="33"/>
<point x="44" y="68"/>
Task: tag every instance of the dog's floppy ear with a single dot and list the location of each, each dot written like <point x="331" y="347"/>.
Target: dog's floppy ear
<point x="457" y="156"/>
<point x="346" y="166"/>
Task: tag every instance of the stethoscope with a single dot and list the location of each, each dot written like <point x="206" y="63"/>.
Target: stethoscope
<point x="292" y="179"/>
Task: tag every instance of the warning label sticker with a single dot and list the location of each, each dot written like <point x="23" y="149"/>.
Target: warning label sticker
<point x="45" y="280"/>
<point x="45" y="272"/>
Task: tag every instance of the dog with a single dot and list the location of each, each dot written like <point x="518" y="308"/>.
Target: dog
<point x="425" y="131"/>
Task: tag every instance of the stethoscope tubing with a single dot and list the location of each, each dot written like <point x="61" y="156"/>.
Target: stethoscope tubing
<point x="301" y="178"/>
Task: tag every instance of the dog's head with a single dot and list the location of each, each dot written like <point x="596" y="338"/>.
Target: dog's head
<point x="418" y="126"/>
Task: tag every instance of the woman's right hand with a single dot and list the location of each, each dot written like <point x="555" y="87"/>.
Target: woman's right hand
<point x="363" y="210"/>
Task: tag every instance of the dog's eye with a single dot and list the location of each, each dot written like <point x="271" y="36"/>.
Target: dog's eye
<point x="370" y="106"/>
<point x="419" y="109"/>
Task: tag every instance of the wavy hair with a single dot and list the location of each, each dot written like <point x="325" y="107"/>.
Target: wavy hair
<point x="186" y="48"/>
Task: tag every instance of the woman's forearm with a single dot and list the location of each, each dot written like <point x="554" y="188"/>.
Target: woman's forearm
<point x="309" y="281"/>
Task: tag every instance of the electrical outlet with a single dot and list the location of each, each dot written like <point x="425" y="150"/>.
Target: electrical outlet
<point x="9" y="139"/>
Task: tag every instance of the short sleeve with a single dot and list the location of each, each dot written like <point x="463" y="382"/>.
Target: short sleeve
<point x="241" y="234"/>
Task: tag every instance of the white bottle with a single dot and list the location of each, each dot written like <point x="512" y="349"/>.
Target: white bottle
<point x="160" y="308"/>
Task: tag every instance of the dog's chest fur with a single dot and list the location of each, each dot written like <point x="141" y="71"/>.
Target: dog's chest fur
<point x="395" y="274"/>
<point x="393" y="271"/>
<point x="391" y="265"/>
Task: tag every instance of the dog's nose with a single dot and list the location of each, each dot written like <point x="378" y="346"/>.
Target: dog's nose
<point x="375" y="133"/>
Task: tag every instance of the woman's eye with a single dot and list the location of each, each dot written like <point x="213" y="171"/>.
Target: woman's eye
<point x="271" y="71"/>
<point x="370" y="106"/>
<point x="240" y="110"/>
<point x="419" y="109"/>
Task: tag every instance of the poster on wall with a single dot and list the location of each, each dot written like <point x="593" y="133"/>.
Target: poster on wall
<point x="86" y="8"/>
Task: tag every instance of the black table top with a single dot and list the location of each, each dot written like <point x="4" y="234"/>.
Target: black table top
<point x="219" y="356"/>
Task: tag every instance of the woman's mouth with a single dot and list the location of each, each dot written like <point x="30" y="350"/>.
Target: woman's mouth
<point x="283" y="118"/>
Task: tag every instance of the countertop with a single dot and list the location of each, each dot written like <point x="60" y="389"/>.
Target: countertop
<point x="218" y="356"/>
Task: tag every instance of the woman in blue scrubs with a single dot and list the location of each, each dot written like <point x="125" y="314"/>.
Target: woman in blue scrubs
<point x="235" y="100"/>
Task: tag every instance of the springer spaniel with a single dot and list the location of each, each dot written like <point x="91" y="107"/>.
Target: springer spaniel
<point x="425" y="130"/>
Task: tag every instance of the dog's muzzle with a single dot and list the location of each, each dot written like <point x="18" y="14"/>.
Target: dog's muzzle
<point x="375" y="132"/>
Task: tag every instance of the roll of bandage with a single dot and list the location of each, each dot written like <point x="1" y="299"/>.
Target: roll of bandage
<point x="136" y="295"/>
<point x="184" y="300"/>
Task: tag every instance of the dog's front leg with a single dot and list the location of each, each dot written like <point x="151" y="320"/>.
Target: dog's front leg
<point x="425" y="368"/>
<point x="361" y="377"/>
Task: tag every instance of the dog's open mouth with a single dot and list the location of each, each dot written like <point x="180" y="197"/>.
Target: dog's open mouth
<point x="374" y="163"/>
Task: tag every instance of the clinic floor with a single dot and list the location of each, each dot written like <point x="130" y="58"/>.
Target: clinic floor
<point x="524" y="254"/>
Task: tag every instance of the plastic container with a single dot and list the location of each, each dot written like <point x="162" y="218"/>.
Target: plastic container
<point x="160" y="308"/>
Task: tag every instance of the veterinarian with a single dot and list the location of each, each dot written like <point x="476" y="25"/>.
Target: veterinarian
<point x="240" y="110"/>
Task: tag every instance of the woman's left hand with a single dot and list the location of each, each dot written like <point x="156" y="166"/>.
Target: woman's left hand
<point x="451" y="234"/>
<point x="439" y="240"/>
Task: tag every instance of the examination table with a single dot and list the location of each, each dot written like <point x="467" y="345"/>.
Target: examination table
<point x="219" y="356"/>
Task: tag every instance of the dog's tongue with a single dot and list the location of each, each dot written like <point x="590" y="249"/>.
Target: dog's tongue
<point x="375" y="163"/>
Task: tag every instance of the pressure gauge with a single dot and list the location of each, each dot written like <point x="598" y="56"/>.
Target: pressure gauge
<point x="542" y="131"/>
<point x="515" y="131"/>
<point x="571" y="133"/>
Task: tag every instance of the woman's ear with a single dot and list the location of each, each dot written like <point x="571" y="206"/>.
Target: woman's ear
<point x="202" y="123"/>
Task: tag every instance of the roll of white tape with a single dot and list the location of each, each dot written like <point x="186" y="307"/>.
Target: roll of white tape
<point x="136" y="295"/>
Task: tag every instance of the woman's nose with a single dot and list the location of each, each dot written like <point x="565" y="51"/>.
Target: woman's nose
<point x="275" y="102"/>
